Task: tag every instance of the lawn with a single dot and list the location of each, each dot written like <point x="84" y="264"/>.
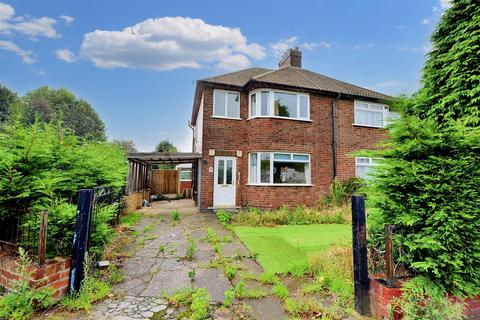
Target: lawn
<point x="283" y="248"/>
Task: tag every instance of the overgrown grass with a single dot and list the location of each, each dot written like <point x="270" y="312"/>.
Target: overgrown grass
<point x="92" y="290"/>
<point x="195" y="301"/>
<point x="130" y="219"/>
<point x="285" y="249"/>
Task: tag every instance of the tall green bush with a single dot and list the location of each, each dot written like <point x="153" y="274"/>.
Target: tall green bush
<point x="429" y="182"/>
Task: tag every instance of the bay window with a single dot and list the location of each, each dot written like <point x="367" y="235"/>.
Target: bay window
<point x="276" y="168"/>
<point x="272" y="103"/>
<point x="226" y="104"/>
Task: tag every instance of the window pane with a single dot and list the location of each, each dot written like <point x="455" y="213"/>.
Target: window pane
<point x="185" y="175"/>
<point x="233" y="105"/>
<point x="369" y="118"/>
<point x="253" y="105"/>
<point x="229" y="172"/>
<point x="285" y="105"/>
<point x="265" y="102"/>
<point x="300" y="157"/>
<point x="219" y="107"/>
<point x="282" y="156"/>
<point x="375" y="107"/>
<point x="303" y="107"/>
<point x="361" y="105"/>
<point x="253" y="168"/>
<point x="288" y="172"/>
<point x="362" y="160"/>
<point x="363" y="171"/>
<point x="220" y="171"/>
<point x="265" y="167"/>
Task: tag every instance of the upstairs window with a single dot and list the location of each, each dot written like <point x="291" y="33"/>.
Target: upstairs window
<point x="226" y="104"/>
<point x="271" y="103"/>
<point x="373" y="114"/>
<point x="279" y="168"/>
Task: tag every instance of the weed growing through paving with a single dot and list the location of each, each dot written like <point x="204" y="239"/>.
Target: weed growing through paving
<point x="191" y="275"/>
<point x="131" y="219"/>
<point x="161" y="248"/>
<point x="154" y="270"/>
<point x="148" y="228"/>
<point x="175" y="215"/>
<point x="280" y="291"/>
<point x="230" y="271"/>
<point x="227" y="238"/>
<point x="191" y="248"/>
<point x="212" y="237"/>
<point x="196" y="302"/>
<point x="218" y="248"/>
<point x="224" y="217"/>
<point x="114" y="275"/>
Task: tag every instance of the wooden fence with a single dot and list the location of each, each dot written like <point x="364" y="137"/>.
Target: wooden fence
<point x="164" y="181"/>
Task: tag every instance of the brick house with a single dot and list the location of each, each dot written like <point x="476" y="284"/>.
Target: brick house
<point x="274" y="137"/>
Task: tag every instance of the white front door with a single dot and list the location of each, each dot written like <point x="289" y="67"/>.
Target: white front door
<point x="224" y="181"/>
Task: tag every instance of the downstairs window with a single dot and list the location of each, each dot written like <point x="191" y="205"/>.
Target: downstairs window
<point x="271" y="168"/>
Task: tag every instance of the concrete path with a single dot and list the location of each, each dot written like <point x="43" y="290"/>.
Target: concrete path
<point x="159" y="266"/>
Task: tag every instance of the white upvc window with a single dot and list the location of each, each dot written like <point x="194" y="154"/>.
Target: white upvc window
<point x="279" y="104"/>
<point x="226" y="104"/>
<point x="372" y="114"/>
<point x="364" y="167"/>
<point x="185" y="174"/>
<point x="278" y="168"/>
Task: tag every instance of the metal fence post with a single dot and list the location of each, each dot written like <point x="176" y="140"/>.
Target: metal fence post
<point x="81" y="238"/>
<point x="360" y="267"/>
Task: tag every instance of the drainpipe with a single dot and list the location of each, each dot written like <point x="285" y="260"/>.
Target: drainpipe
<point x="334" y="135"/>
<point x="193" y="141"/>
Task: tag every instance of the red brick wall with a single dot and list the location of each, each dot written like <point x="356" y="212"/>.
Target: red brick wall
<point x="270" y="134"/>
<point x="184" y="185"/>
<point x="55" y="273"/>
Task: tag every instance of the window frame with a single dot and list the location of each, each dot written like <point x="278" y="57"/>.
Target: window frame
<point x="308" y="170"/>
<point x="226" y="104"/>
<point x="271" y="104"/>
<point x="185" y="170"/>
<point x="372" y="162"/>
<point x="385" y="113"/>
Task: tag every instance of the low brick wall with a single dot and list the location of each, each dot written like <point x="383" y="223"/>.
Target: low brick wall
<point x="55" y="273"/>
<point x="381" y="296"/>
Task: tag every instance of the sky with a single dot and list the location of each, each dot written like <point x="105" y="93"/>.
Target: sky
<point x="137" y="61"/>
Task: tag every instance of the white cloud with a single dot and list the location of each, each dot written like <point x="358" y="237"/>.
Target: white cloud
<point x="6" y="11"/>
<point x="426" y="21"/>
<point x="389" y="84"/>
<point x="363" y="47"/>
<point x="445" y="4"/>
<point x="26" y="56"/>
<point x="26" y="25"/>
<point x="169" y="43"/>
<point x="424" y="49"/>
<point x="66" y="55"/>
<point x="67" y="19"/>
<point x="280" y="47"/>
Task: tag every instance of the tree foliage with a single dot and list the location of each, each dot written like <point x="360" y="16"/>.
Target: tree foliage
<point x="429" y="183"/>
<point x="51" y="105"/>
<point x="165" y="146"/>
<point x="127" y="146"/>
<point x="7" y="100"/>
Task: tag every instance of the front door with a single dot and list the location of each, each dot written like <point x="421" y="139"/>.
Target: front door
<point x="224" y="182"/>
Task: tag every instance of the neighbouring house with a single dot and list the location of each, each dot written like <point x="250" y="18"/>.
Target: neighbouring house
<point x="272" y="137"/>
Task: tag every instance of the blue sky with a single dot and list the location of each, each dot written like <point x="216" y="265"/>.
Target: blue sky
<point x="136" y="61"/>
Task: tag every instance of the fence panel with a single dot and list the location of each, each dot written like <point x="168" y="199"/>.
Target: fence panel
<point x="165" y="181"/>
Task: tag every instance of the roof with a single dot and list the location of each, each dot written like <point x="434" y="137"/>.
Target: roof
<point x="163" y="157"/>
<point x="288" y="76"/>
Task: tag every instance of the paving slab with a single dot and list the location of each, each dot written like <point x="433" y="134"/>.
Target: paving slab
<point x="214" y="280"/>
<point x="266" y="309"/>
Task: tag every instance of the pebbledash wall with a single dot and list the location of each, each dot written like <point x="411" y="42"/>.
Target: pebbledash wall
<point x="227" y="136"/>
<point x="55" y="273"/>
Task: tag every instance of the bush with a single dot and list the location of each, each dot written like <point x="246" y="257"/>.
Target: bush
<point x="301" y="215"/>
<point x="224" y="216"/>
<point x="422" y="299"/>
<point x="340" y="193"/>
<point x="22" y="300"/>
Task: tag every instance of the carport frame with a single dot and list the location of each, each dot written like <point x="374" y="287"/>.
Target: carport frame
<point x="140" y="166"/>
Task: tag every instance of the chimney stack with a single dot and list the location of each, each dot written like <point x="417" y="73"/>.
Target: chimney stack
<point x="291" y="58"/>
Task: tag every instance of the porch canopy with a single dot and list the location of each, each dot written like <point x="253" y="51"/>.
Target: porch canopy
<point x="140" y="165"/>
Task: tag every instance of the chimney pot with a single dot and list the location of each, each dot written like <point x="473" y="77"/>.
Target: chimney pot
<point x="291" y="58"/>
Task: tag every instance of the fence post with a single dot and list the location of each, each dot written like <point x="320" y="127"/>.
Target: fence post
<point x="389" y="269"/>
<point x="360" y="267"/>
<point x="42" y="241"/>
<point x="81" y="238"/>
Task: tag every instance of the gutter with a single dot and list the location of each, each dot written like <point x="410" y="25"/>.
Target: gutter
<point x="334" y="136"/>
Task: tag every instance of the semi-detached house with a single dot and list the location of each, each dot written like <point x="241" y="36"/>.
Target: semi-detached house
<point x="274" y="137"/>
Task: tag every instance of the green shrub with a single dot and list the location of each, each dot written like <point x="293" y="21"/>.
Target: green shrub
<point x="422" y="299"/>
<point x="340" y="192"/>
<point x="224" y="216"/>
<point x="22" y="301"/>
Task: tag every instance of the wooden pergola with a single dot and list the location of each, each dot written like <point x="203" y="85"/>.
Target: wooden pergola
<point x="140" y="165"/>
